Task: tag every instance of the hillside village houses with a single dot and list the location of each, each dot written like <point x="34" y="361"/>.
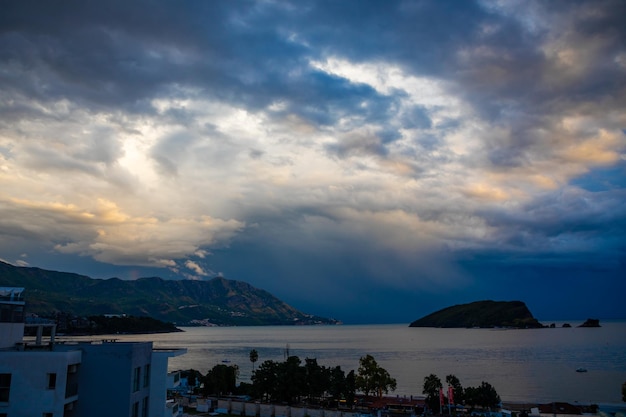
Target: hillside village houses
<point x="75" y="379"/>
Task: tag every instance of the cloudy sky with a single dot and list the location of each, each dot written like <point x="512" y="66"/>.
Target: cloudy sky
<point x="371" y="161"/>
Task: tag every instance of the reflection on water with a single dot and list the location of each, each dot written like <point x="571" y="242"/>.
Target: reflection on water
<point x="533" y="365"/>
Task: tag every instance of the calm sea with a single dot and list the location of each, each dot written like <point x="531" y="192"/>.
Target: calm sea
<point x="523" y="365"/>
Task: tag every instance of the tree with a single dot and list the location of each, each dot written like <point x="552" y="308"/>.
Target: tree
<point x="316" y="379"/>
<point x="484" y="396"/>
<point x="193" y="377"/>
<point x="432" y="385"/>
<point x="350" y="388"/>
<point x="221" y="379"/>
<point x="254" y="356"/>
<point x="457" y="389"/>
<point x="265" y="380"/>
<point x="337" y="383"/>
<point x="291" y="380"/>
<point x="373" y="378"/>
<point x="471" y="396"/>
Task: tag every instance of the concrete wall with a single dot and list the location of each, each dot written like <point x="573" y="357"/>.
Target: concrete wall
<point x="281" y="411"/>
<point x="105" y="382"/>
<point x="266" y="410"/>
<point x="30" y="395"/>
<point x="337" y="413"/>
<point x="223" y="404"/>
<point x="316" y="412"/>
<point x="159" y="379"/>
<point x="298" y="412"/>
<point x="10" y="334"/>
<point x="274" y="410"/>
<point x="237" y="407"/>
<point x="252" y="409"/>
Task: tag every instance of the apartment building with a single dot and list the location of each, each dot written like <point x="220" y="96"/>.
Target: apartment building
<point x="92" y="379"/>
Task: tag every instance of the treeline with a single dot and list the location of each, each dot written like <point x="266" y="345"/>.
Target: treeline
<point x="70" y="324"/>
<point x="294" y="382"/>
<point x="129" y="324"/>
<point x="484" y="395"/>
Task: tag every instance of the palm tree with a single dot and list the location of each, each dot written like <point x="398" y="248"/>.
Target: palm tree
<point x="457" y="389"/>
<point x="254" y="356"/>
<point x="432" y="385"/>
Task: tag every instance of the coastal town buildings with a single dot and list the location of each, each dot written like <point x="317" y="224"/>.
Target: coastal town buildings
<point x="75" y="379"/>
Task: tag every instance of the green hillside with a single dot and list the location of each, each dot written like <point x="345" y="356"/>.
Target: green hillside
<point x="513" y="314"/>
<point x="218" y="301"/>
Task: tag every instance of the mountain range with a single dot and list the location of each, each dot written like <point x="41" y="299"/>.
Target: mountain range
<point x="184" y="302"/>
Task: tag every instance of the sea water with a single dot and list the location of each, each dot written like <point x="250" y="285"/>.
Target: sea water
<point x="537" y="365"/>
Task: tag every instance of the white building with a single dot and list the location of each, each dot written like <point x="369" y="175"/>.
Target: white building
<point x="11" y="316"/>
<point x="159" y="385"/>
<point x="91" y="379"/>
<point x="38" y="382"/>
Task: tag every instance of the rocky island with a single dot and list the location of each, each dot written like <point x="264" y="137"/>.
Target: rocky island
<point x="482" y="314"/>
<point x="591" y="323"/>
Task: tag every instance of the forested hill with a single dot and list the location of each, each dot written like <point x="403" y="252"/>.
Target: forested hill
<point x="217" y="301"/>
<point x="513" y="314"/>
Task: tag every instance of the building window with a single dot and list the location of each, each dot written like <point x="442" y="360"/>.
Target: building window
<point x="10" y="313"/>
<point x="144" y="409"/>
<point x="52" y="381"/>
<point x="5" y="387"/>
<point x="136" y="378"/>
<point x="146" y="375"/>
<point x="136" y="409"/>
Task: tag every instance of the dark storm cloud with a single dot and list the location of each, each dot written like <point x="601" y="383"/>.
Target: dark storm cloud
<point x="115" y="53"/>
<point x="566" y="224"/>
<point x="126" y="53"/>
<point x="420" y="35"/>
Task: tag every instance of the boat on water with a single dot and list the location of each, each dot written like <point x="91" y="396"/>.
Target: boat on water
<point x="581" y="370"/>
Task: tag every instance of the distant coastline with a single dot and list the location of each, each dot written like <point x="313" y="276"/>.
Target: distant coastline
<point x="70" y="325"/>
